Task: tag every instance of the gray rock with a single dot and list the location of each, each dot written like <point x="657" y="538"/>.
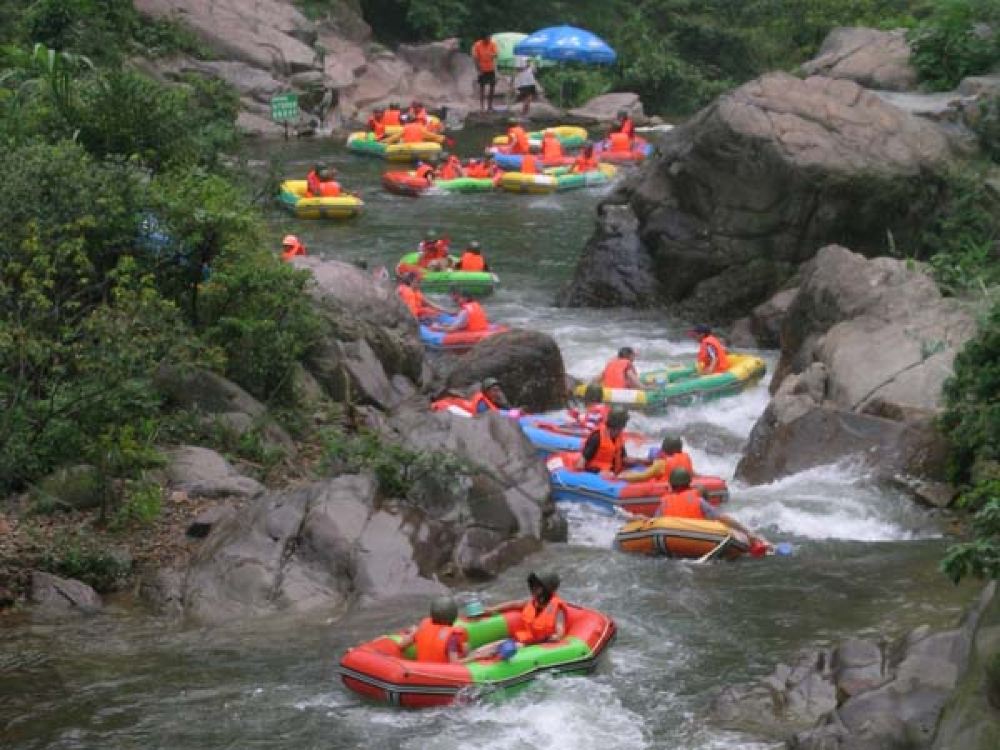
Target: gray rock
<point x="69" y="488"/>
<point x="201" y="472"/>
<point x="55" y="596"/>
<point x="163" y="591"/>
<point x="528" y="365"/>
<point x="875" y="59"/>
<point x="194" y="388"/>
<point x="203" y="523"/>
<point x="752" y="186"/>
<point x="605" y="108"/>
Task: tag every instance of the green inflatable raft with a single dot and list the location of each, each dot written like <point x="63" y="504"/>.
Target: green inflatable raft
<point x="476" y="283"/>
<point x="683" y="386"/>
<point x="567" y="180"/>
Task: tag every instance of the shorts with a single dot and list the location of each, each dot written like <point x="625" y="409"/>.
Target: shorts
<point x="526" y="92"/>
<point x="489" y="78"/>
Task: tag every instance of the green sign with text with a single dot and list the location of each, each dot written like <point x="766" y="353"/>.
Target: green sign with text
<point x="284" y="107"/>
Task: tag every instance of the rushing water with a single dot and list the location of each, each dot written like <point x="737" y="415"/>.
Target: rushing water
<point x="864" y="563"/>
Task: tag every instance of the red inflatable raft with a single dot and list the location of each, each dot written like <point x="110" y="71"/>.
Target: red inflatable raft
<point x="405" y="183"/>
<point x="381" y="671"/>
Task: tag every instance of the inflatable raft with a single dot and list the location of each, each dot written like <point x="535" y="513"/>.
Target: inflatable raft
<point x="535" y="184"/>
<point x="641" y="149"/>
<point x="380" y="670"/>
<point x="561" y="434"/>
<point x="512" y="162"/>
<point x="683" y="385"/>
<point x="567" y="180"/>
<point x="570" y="136"/>
<point x="476" y="283"/>
<point x="293" y="197"/>
<point x="434" y="125"/>
<point x="365" y="143"/>
<point x="570" y="485"/>
<point x="454" y="341"/>
<point x="407" y="183"/>
<point x="681" y="537"/>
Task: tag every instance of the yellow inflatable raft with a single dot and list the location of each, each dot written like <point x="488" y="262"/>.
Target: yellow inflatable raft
<point x="293" y="197"/>
<point x="365" y="143"/>
<point x="537" y="184"/>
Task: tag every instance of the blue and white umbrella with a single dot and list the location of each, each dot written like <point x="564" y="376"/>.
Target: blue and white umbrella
<point x="566" y="44"/>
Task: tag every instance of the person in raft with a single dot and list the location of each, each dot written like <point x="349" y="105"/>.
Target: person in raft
<point x="670" y="456"/>
<point x="393" y="115"/>
<point x="595" y="412"/>
<point x="320" y="182"/>
<point x="485" y="52"/>
<point x="712" y="356"/>
<point x="471" y="316"/>
<point x="409" y="293"/>
<point x="604" y="449"/>
<point x="376" y="123"/>
<point x="685" y="502"/>
<point x="436" y="638"/>
<point x="586" y="161"/>
<point x="491" y="398"/>
<point x="472" y="259"/>
<point x="414" y="132"/>
<point x="433" y="252"/>
<point x="517" y="138"/>
<point x="526" y="86"/>
<point x="551" y="146"/>
<point x="291" y="247"/>
<point x="620" y="372"/>
<point x="543" y="619"/>
<point x="624" y="124"/>
<point x="450" y="168"/>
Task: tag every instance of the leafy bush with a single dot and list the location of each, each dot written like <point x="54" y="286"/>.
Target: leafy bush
<point x="957" y="39"/>
<point x="81" y="555"/>
<point x="141" y="505"/>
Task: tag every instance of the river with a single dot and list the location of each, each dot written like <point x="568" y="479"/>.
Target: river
<point x="864" y="562"/>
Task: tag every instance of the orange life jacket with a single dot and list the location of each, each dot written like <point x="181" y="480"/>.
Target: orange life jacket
<point x="540" y="626"/>
<point x="436" y="250"/>
<point x="683" y="504"/>
<point x="609" y="451"/>
<point x="418" y="115"/>
<point x="626" y="127"/>
<point x="614" y="373"/>
<point x="481" y="398"/>
<point x="432" y="639"/>
<point x="409" y="297"/>
<point x="475" y="317"/>
<point x="551" y="147"/>
<point x="679" y="460"/>
<point x="519" y="143"/>
<point x="585" y="164"/>
<point x="392" y="117"/>
<point x="451" y="169"/>
<point x="314" y="186"/>
<point x="485" y="53"/>
<point x="413" y="132"/>
<point x="424" y="170"/>
<point x="476" y="169"/>
<point x="528" y="164"/>
<point x="296" y="249"/>
<point x="620" y="142"/>
<point x="329" y="189"/>
<point x="721" y="359"/>
<point x="471" y="262"/>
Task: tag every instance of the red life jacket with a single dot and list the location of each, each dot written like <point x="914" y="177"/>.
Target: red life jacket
<point x="424" y="170"/>
<point x="431" y="251"/>
<point x="314" y="186"/>
<point x="551" y="147"/>
<point x="585" y="164"/>
<point x="475" y="317"/>
<point x="451" y="169"/>
<point x="409" y="297"/>
<point x="413" y="132"/>
<point x="432" y="639"/>
<point x="392" y="117"/>
<point x="519" y="143"/>
<point x="329" y="189"/>
<point x="614" y="373"/>
<point x="538" y="626"/>
<point x="620" y="143"/>
<point x="683" y="504"/>
<point x="377" y="126"/>
<point x="626" y="127"/>
<point x="721" y="359"/>
<point x="609" y="452"/>
<point x="471" y="262"/>
<point x="528" y="164"/>
<point x="290" y="252"/>
<point x="476" y="169"/>
<point x="418" y="115"/>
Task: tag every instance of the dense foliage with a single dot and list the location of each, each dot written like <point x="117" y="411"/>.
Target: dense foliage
<point x="126" y="244"/>
<point x="957" y="38"/>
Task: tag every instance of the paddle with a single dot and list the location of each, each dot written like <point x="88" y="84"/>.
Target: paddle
<point x="715" y="551"/>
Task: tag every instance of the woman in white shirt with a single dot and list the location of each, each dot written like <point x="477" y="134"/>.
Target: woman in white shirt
<point x="527" y="87"/>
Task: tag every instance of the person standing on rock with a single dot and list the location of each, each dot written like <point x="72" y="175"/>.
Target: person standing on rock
<point x="485" y="52"/>
<point x="712" y="356"/>
<point x="526" y="86"/>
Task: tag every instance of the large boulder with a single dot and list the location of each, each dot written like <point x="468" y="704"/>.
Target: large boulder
<point x="749" y="188"/>
<point x="371" y="350"/>
<point x="873" y="58"/>
<point x="868" y="695"/>
<point x="201" y="472"/>
<point x="528" y="365"/>
<point x="866" y="346"/>
<point x="605" y="108"/>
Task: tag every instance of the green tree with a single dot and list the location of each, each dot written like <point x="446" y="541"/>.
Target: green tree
<point x="958" y="38"/>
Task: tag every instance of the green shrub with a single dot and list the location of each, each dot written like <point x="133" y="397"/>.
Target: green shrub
<point x="141" y="505"/>
<point x="79" y="554"/>
<point x="958" y="38"/>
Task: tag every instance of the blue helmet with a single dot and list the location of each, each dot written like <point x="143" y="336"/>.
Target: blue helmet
<point x="507" y="649"/>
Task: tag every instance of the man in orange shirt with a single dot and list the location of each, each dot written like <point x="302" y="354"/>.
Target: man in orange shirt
<point x="485" y="52"/>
